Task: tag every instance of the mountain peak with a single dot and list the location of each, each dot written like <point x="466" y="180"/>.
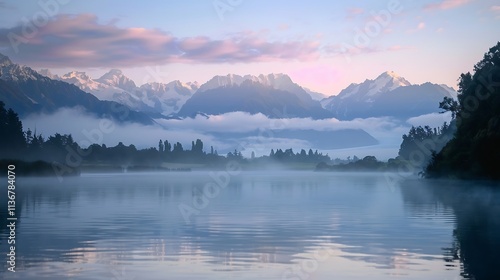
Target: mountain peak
<point x="116" y="72"/>
<point x="116" y="78"/>
<point x="4" y="60"/>
<point x="385" y="82"/>
<point x="391" y="74"/>
<point x="79" y="74"/>
<point x="112" y="73"/>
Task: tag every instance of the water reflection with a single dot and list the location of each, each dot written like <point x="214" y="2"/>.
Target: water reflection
<point x="476" y="206"/>
<point x="273" y="226"/>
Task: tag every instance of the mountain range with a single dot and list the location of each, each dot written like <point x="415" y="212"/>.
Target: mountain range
<point x="387" y="95"/>
<point x="152" y="98"/>
<point x="26" y="91"/>
<point x="275" y="95"/>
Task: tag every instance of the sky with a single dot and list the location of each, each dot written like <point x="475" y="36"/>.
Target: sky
<point x="322" y="45"/>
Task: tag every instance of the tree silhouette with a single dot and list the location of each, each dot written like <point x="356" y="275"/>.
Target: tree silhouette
<point x="12" y="140"/>
<point x="451" y="105"/>
<point x="474" y="152"/>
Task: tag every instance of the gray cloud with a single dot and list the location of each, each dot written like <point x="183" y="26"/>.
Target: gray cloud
<point x="81" y="41"/>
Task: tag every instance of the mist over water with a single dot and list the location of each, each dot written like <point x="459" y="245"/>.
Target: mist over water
<point x="262" y="225"/>
<point x="259" y="132"/>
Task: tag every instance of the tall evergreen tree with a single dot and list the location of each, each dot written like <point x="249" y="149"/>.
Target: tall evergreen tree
<point x="12" y="140"/>
<point x="160" y="147"/>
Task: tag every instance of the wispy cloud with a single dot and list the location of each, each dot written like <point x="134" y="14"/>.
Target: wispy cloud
<point x="420" y="26"/>
<point x="81" y="41"/>
<point x="283" y="27"/>
<point x="446" y="4"/>
<point x="496" y="10"/>
<point x="353" y="12"/>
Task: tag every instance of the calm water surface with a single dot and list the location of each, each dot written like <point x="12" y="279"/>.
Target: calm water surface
<point x="285" y="225"/>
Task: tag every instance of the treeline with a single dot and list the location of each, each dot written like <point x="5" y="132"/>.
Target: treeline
<point x="17" y="146"/>
<point x="474" y="151"/>
<point x="11" y="133"/>
<point x="368" y="163"/>
<point x="415" y="152"/>
<point x="421" y="143"/>
<point x="289" y="156"/>
<point x="67" y="157"/>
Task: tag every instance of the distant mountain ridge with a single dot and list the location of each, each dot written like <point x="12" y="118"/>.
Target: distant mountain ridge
<point x="26" y="91"/>
<point x="152" y="98"/>
<point x="387" y="95"/>
<point x="115" y="78"/>
<point x="276" y="81"/>
<point x="275" y="97"/>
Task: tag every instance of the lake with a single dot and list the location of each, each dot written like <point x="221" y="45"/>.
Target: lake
<point x="253" y="225"/>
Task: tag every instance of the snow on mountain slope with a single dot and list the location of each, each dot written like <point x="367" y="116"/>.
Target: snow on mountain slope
<point x="378" y="97"/>
<point x="318" y="96"/>
<point x="26" y="91"/>
<point x="276" y="81"/>
<point x="14" y="72"/>
<point x="167" y="98"/>
<point x="116" y="78"/>
<point x="385" y="82"/>
<point x="115" y="86"/>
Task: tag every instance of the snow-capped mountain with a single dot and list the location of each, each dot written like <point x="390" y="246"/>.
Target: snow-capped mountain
<point x="276" y="81"/>
<point x="115" y="78"/>
<point x="14" y="72"/>
<point x="103" y="91"/>
<point x="26" y="91"/>
<point x="387" y="95"/>
<point x="155" y="98"/>
<point x="84" y="82"/>
<point x="251" y="94"/>
<point x="315" y="95"/>
<point x="166" y="98"/>
<point x="369" y="89"/>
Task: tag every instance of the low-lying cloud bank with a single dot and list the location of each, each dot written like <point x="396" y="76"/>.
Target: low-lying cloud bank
<point x="258" y="133"/>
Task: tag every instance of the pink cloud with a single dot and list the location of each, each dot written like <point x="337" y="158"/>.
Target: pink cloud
<point x="283" y="27"/>
<point x="420" y="26"/>
<point x="496" y="10"/>
<point x="353" y="12"/>
<point x="356" y="11"/>
<point x="69" y="41"/>
<point x="446" y="4"/>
